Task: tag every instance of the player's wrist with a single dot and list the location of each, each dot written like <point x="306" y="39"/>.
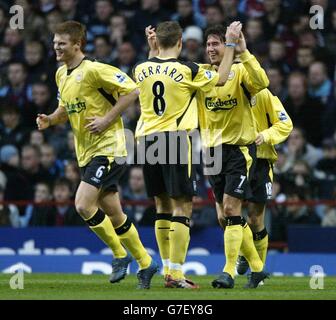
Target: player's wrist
<point x="49" y="121"/>
<point x="230" y="44"/>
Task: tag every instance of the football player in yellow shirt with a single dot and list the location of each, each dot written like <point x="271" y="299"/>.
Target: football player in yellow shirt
<point x="228" y="133"/>
<point x="167" y="88"/>
<point x="273" y="127"/>
<point x="92" y="96"/>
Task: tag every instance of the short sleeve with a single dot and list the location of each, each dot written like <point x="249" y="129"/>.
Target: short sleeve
<point x="203" y="78"/>
<point x="111" y="78"/>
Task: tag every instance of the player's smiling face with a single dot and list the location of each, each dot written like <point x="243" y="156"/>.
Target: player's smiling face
<point x="65" y="49"/>
<point x="215" y="49"/>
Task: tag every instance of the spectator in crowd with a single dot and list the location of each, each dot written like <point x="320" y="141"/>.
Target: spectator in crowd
<point x="231" y="13"/>
<point x="69" y="11"/>
<point x="214" y="15"/>
<point x="71" y="172"/>
<point x="11" y="129"/>
<point x="276" y="80"/>
<point x="103" y="49"/>
<point x="274" y="18"/>
<point x="326" y="170"/>
<point x="319" y="85"/>
<point x="300" y="176"/>
<point x="47" y="5"/>
<point x="135" y="191"/>
<point x="304" y="111"/>
<point x="150" y="13"/>
<point x="300" y="149"/>
<point x="118" y="30"/>
<point x="38" y="214"/>
<point x="314" y="40"/>
<point x="192" y="45"/>
<point x="33" y="22"/>
<point x="68" y="151"/>
<point x="186" y="16"/>
<point x="42" y="101"/>
<point x="9" y="165"/>
<point x="14" y="40"/>
<point x="36" y="138"/>
<point x="34" y="56"/>
<point x="330" y="37"/>
<point x="64" y="213"/>
<point x="32" y="168"/>
<point x="295" y="213"/>
<point x="9" y="214"/>
<point x="282" y="165"/>
<point x="277" y="56"/>
<point x="126" y="58"/>
<point x="50" y="163"/>
<point x="255" y="38"/>
<point x="99" y="23"/>
<point x="5" y="57"/>
<point x="18" y="91"/>
<point x="3" y="20"/>
<point x="304" y="58"/>
<point x="329" y="219"/>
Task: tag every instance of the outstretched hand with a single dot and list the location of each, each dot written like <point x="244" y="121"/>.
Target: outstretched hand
<point x="97" y="124"/>
<point x="241" y="45"/>
<point x="42" y="121"/>
<point x="260" y="139"/>
<point x="233" y="32"/>
<point x="151" y="37"/>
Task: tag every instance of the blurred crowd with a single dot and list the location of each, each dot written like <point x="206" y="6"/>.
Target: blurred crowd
<point x="299" y="61"/>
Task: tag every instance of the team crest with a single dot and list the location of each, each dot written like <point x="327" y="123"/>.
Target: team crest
<point x="79" y="76"/>
<point x="208" y="74"/>
<point x="282" y="115"/>
<point x="231" y="75"/>
<point x="120" y="77"/>
<point x="253" y="101"/>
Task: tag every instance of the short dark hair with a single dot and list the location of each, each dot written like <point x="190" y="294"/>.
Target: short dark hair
<point x="60" y="182"/>
<point x="75" y="30"/>
<point x="217" y="30"/>
<point x="168" y="33"/>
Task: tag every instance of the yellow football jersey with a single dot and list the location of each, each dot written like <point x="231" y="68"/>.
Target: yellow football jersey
<point x="167" y="91"/>
<point x="273" y="123"/>
<point x="92" y="89"/>
<point x="225" y="113"/>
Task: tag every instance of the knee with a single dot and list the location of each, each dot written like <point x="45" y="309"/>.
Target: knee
<point x="255" y="220"/>
<point x="83" y="210"/>
<point x="228" y="210"/>
<point x="163" y="205"/>
<point x="183" y="209"/>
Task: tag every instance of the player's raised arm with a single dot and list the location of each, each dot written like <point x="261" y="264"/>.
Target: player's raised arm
<point x="282" y="124"/>
<point x="255" y="77"/>
<point x="99" y="124"/>
<point x="151" y="39"/>
<point x="59" y="116"/>
<point x="231" y="37"/>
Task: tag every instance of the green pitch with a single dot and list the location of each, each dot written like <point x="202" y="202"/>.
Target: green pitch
<point x="74" y="286"/>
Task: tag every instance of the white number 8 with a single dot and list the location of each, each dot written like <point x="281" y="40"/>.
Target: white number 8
<point x="100" y="171"/>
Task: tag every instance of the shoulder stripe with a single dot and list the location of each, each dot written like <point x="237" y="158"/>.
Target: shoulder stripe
<point x="109" y="97"/>
<point x="269" y="122"/>
<point x="193" y="67"/>
<point x="179" y="119"/>
<point x="247" y="93"/>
